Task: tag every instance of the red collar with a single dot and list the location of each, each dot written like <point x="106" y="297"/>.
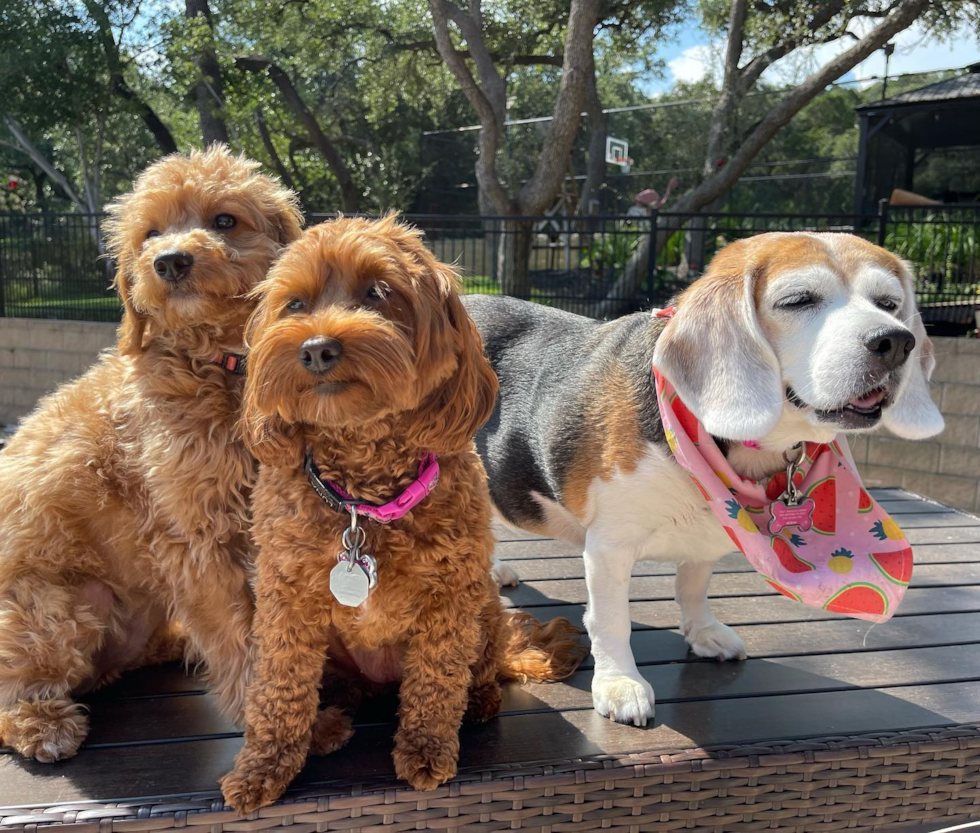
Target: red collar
<point x="232" y="362"/>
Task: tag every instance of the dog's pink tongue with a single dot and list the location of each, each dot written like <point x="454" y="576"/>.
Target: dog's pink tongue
<point x="869" y="400"/>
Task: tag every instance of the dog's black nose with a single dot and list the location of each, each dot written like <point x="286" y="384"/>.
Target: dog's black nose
<point x="319" y="354"/>
<point x="892" y="346"/>
<point x="173" y="265"/>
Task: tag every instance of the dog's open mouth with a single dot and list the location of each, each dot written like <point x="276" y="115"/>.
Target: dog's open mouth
<point x="861" y="411"/>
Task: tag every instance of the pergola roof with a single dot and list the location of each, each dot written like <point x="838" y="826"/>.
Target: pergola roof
<point x="952" y="89"/>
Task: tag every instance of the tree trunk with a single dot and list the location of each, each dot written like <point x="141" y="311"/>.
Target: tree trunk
<point x="513" y="256"/>
<point x="210" y="89"/>
<point x="577" y="63"/>
<point x="598" y="131"/>
<point x="722" y="179"/>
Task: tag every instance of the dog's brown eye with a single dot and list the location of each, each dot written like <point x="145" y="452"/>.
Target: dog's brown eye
<point x="887" y="304"/>
<point x="376" y="292"/>
<point x="152" y="233"/>
<point x="223" y="222"/>
<point x="296" y="305"/>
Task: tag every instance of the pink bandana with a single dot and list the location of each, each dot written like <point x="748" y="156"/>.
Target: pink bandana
<point x="837" y="549"/>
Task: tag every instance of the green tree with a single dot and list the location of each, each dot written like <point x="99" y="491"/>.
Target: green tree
<point x="756" y="37"/>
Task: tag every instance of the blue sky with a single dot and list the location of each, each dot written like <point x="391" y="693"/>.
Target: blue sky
<point x="689" y="54"/>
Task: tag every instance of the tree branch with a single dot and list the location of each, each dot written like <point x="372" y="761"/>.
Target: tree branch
<point x="28" y="147"/>
<point x="161" y="134"/>
<point x="350" y="196"/>
<point x="270" y="149"/>
<point x="824" y="13"/>
<point x="724" y="178"/>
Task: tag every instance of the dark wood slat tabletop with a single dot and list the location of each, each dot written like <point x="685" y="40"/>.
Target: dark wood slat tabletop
<point x="156" y="734"/>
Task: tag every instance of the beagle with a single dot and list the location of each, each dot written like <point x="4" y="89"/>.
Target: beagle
<point x="788" y="337"/>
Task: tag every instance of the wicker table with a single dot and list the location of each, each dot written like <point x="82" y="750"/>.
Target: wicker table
<point x="830" y="725"/>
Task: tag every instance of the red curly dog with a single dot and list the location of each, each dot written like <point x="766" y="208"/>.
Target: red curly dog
<point x="124" y="496"/>
<point x="362" y="355"/>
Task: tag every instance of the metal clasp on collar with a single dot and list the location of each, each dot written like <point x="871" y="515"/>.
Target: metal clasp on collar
<point x="791" y="495"/>
<point x="327" y="493"/>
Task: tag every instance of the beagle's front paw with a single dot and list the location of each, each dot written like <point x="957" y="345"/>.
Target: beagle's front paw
<point x="504" y="574"/>
<point x="624" y="699"/>
<point x="715" y="641"/>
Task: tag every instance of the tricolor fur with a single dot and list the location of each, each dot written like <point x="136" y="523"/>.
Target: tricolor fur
<point x="788" y="337"/>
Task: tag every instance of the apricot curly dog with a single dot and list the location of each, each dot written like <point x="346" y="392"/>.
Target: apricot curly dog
<point x="363" y="363"/>
<point x="124" y="496"/>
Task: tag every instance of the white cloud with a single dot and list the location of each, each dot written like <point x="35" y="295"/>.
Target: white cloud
<point x="696" y="62"/>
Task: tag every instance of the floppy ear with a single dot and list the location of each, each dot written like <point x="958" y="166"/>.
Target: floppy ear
<point x="715" y="354"/>
<point x="268" y="437"/>
<point x="288" y="217"/>
<point x="464" y="402"/>
<point x="913" y="415"/>
<point x="130" y="334"/>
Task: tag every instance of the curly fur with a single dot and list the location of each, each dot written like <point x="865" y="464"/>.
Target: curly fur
<point x="124" y="499"/>
<point x="412" y="379"/>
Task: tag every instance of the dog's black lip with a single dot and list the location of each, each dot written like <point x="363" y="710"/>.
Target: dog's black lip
<point x="850" y="417"/>
<point x="793" y="397"/>
<point x="332" y="387"/>
<point x="847" y="416"/>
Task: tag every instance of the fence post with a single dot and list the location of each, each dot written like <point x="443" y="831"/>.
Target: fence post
<point x="882" y="220"/>
<point x="652" y="254"/>
<point x="3" y="277"/>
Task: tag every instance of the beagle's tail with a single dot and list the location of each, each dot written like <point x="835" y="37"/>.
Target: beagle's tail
<point x="539" y="652"/>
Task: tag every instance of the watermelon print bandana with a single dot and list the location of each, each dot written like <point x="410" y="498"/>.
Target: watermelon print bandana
<point x="852" y="558"/>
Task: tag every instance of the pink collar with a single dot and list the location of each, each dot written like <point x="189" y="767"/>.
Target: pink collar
<point x="338" y="500"/>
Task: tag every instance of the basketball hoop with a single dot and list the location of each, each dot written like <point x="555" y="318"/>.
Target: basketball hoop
<point x="618" y="153"/>
<point x="625" y="164"/>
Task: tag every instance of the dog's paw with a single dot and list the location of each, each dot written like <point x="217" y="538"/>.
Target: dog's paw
<point x="425" y="761"/>
<point x="331" y="731"/>
<point x="484" y="703"/>
<point x="716" y="641"/>
<point x="46" y="730"/>
<point x="624" y="699"/>
<point x="260" y="776"/>
<point x="504" y="574"/>
<point x="245" y="791"/>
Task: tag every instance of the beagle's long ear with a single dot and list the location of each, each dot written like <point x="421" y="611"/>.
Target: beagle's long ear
<point x="715" y="354"/>
<point x="913" y="415"/>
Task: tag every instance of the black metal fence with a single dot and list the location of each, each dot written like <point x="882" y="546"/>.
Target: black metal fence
<point x="51" y="265"/>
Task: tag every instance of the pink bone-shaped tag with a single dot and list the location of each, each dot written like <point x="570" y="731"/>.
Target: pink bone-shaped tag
<point x="784" y="515"/>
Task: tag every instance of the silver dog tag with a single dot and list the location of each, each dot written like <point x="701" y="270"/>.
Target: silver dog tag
<point x="349" y="584"/>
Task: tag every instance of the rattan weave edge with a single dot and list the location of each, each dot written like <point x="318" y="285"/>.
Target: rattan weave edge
<point x="877" y="781"/>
